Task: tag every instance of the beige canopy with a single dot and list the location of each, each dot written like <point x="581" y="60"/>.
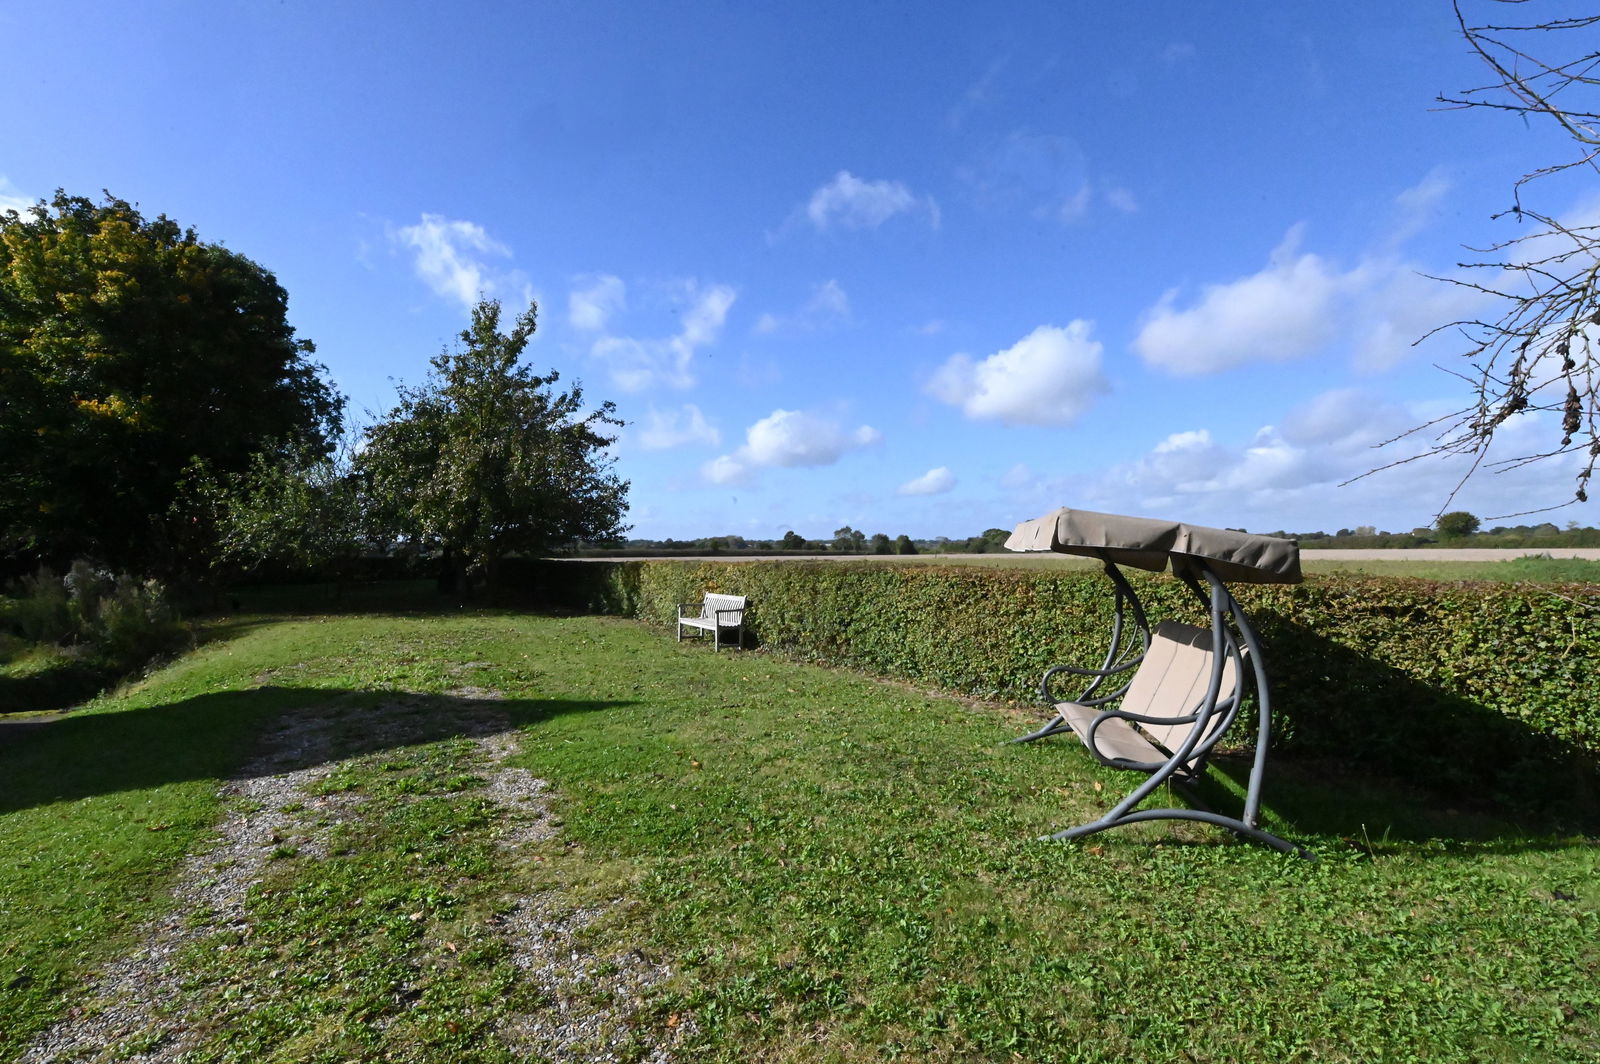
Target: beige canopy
<point x="1148" y="543"/>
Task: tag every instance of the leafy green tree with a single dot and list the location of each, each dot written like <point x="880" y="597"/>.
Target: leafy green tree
<point x="881" y="544"/>
<point x="993" y="541"/>
<point x="793" y="540"/>
<point x="1456" y="524"/>
<point x="129" y="350"/>
<point x="903" y="545"/>
<point x="847" y="540"/>
<point x="486" y="459"/>
<point x="300" y="511"/>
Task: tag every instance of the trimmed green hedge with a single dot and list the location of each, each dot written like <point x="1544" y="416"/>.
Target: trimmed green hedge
<point x="1480" y="688"/>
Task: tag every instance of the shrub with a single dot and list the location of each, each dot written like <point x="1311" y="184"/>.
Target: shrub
<point x="118" y="621"/>
<point x="1475" y="688"/>
<point x="40" y="611"/>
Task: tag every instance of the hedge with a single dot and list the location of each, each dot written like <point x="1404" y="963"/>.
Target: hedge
<point x="1476" y="687"/>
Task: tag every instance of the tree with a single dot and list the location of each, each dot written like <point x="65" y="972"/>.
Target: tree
<point x="485" y="458"/>
<point x="129" y="350"/>
<point x="301" y="511"/>
<point x="793" y="540"/>
<point x="847" y="540"/>
<point x="881" y="544"/>
<point x="1456" y="524"/>
<point x="903" y="545"/>
<point x="1539" y="353"/>
<point x="993" y="541"/>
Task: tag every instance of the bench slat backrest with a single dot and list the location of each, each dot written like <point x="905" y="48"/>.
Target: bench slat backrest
<point x="1172" y="681"/>
<point x="713" y="603"/>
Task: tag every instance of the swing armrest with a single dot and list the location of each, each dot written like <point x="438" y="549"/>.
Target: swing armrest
<point x="1095" y="674"/>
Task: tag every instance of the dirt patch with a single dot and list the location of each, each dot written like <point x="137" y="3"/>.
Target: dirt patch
<point x="273" y="806"/>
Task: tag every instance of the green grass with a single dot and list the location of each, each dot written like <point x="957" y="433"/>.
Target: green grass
<point x="1527" y="569"/>
<point x="834" y="869"/>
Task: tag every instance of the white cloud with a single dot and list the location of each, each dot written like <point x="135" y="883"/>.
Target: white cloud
<point x="726" y="469"/>
<point x="790" y="439"/>
<point x="1285" y="311"/>
<point x="828" y="305"/>
<point x="452" y="259"/>
<point x="1377" y="311"/>
<point x="662" y="430"/>
<point x="1297" y="474"/>
<point x="590" y="309"/>
<point x="795" y="438"/>
<point x="1049" y="377"/>
<point x="1122" y="200"/>
<point x="1019" y="477"/>
<point x="11" y="197"/>
<point x="848" y="202"/>
<point x="1071" y="209"/>
<point x="1417" y="206"/>
<point x="1395" y="306"/>
<point x="934" y="482"/>
<point x="829" y="301"/>
<point x="637" y="364"/>
<point x="1043" y="174"/>
<point x="980" y="94"/>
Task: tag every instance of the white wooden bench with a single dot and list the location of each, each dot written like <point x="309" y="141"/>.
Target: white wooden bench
<point x="718" y="614"/>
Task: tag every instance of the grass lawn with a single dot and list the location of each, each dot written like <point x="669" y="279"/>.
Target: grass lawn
<point x="828" y="867"/>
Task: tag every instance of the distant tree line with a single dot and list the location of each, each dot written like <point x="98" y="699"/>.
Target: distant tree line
<point x="844" y="540"/>
<point x="1459" y="528"/>
<point x="1456" y="529"/>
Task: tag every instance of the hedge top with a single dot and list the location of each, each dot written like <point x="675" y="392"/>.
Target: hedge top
<point x="1147" y="543"/>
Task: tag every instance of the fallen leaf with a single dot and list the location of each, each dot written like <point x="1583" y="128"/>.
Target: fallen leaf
<point x="416" y="916"/>
<point x="1098" y="851"/>
<point x="1098" y="786"/>
<point x="672" y="1021"/>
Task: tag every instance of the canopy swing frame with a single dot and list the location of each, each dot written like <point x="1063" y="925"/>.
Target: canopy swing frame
<point x="1196" y="555"/>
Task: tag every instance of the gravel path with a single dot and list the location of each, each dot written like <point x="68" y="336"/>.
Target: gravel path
<point x="271" y="804"/>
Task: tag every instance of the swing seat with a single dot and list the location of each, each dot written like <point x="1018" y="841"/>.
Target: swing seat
<point x="1163" y="705"/>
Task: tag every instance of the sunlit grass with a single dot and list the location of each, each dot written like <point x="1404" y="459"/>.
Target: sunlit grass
<point x="834" y="868"/>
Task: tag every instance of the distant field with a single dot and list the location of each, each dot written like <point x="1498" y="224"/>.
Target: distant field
<point x="1563" y="565"/>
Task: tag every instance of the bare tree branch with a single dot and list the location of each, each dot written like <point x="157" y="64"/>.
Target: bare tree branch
<point x="1540" y="354"/>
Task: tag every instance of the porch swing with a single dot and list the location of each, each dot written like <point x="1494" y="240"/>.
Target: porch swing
<point x="1165" y="696"/>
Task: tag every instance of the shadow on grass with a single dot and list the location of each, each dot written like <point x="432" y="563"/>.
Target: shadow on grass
<point x="217" y="736"/>
<point x="1367" y="755"/>
<point x="55" y="688"/>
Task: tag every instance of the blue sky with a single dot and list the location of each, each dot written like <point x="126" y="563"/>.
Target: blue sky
<point x="914" y="268"/>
